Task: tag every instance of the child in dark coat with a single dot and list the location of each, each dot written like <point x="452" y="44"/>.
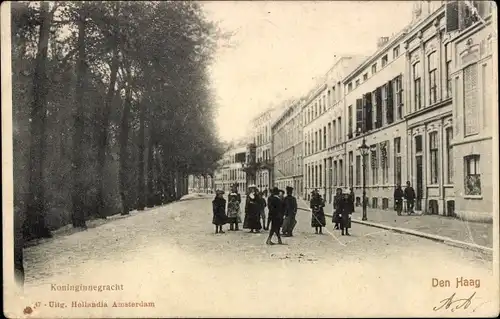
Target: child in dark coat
<point x="219" y="210"/>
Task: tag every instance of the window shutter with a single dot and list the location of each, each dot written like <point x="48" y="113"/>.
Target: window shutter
<point x="359" y="115"/>
<point x="390" y="102"/>
<point x="378" y="97"/>
<point x="367" y="106"/>
<point x="452" y="15"/>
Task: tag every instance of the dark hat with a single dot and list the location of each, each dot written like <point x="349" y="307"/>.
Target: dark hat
<point x="289" y="188"/>
<point x="275" y="190"/>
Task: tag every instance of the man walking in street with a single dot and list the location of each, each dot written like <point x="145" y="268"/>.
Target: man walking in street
<point x="275" y="215"/>
<point x="409" y="194"/>
<point x="290" y="212"/>
<point x="398" y="199"/>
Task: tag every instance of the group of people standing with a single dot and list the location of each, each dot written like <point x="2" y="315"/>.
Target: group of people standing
<point x="343" y="207"/>
<point x="282" y="211"/>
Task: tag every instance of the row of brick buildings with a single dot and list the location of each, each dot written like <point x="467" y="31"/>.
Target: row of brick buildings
<point x="424" y="102"/>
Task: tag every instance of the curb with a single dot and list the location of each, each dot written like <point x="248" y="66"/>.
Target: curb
<point x="442" y="239"/>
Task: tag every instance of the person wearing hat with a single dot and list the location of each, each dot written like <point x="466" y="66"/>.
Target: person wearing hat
<point x="318" y="220"/>
<point x="345" y="209"/>
<point x="219" y="210"/>
<point x="262" y="207"/>
<point x="233" y="208"/>
<point x="252" y="211"/>
<point x="290" y="212"/>
<point x="276" y="214"/>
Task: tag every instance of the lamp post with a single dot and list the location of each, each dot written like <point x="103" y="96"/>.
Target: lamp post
<point x="363" y="148"/>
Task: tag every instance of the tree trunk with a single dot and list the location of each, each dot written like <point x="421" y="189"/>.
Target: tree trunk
<point x="125" y="126"/>
<point x="78" y="191"/>
<point x="150" y="171"/>
<point x="35" y="226"/>
<point x="141" y="187"/>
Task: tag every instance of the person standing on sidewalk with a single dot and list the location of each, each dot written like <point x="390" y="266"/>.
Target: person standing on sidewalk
<point x="345" y="211"/>
<point x="263" y="204"/>
<point x="233" y="208"/>
<point x="336" y="206"/>
<point x="219" y="210"/>
<point x="409" y="194"/>
<point x="252" y="211"/>
<point x="318" y="215"/>
<point x="276" y="213"/>
<point x="290" y="213"/>
<point x="398" y="199"/>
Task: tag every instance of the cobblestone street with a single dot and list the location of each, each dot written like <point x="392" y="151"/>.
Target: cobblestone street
<point x="170" y="256"/>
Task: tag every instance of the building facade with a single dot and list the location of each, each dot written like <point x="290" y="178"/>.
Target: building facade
<point x="287" y="148"/>
<point x="474" y="83"/>
<point x="374" y="108"/>
<point x="201" y="184"/>
<point x="323" y="134"/>
<point x="230" y="170"/>
<point x="263" y="143"/>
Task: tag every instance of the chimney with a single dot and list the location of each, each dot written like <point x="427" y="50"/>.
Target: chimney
<point x="382" y="41"/>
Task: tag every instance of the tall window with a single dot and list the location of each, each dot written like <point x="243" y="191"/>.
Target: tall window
<point x="349" y="87"/>
<point x="341" y="172"/>
<point x="472" y="175"/>
<point x="330" y="134"/>
<point x="374" y="68"/>
<point x="329" y="98"/>
<point x="432" y="64"/>
<point x="374" y="165"/>
<point x="398" y="88"/>
<point x="417" y="84"/>
<point x="351" y="168"/>
<point x="334" y="98"/>
<point x="385" y="59"/>
<point x="418" y="143"/>
<point x="365" y="76"/>
<point x="471" y="110"/>
<point x="340" y="129"/>
<point x="395" y="52"/>
<point x="320" y="173"/>
<point x="384" y="161"/>
<point x="397" y="160"/>
<point x="357" y="83"/>
<point x="384" y="104"/>
<point x="334" y="129"/>
<point x="324" y="137"/>
<point x="449" y="154"/>
<point x="433" y="148"/>
<point x="335" y="171"/>
<point x="447" y="49"/>
<point x="349" y="121"/>
<point x="358" y="169"/>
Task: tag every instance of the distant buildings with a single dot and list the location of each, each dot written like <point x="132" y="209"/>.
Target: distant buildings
<point x="288" y="148"/>
<point x="230" y="170"/>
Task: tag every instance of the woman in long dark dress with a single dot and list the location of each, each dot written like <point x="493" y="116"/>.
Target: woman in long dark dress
<point x="252" y="211"/>
<point x="345" y="213"/>
<point x="219" y="210"/>
<point x="318" y="220"/>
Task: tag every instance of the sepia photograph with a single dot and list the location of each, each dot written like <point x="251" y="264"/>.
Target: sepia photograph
<point x="250" y="159"/>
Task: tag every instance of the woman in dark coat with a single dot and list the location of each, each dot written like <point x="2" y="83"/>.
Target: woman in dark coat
<point x="345" y="211"/>
<point x="219" y="210"/>
<point x="318" y="215"/>
<point x="252" y="211"/>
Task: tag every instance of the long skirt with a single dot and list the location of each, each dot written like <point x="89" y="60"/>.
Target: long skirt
<point x="345" y="221"/>
<point x="336" y="218"/>
<point x="289" y="223"/>
<point x="233" y="216"/>
<point x="252" y="220"/>
<point x="219" y="219"/>
<point x="318" y="219"/>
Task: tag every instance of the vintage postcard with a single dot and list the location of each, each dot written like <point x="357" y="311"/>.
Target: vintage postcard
<point x="250" y="159"/>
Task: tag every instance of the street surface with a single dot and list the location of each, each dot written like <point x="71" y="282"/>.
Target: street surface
<point x="170" y="256"/>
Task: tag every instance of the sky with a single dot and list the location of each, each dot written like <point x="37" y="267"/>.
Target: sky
<point x="279" y="48"/>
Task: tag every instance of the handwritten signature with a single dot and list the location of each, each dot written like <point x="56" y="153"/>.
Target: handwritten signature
<point x="455" y="304"/>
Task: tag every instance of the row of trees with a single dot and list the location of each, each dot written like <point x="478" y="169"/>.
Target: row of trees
<point x="112" y="107"/>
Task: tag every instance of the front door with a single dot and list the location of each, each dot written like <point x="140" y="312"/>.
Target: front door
<point x="419" y="188"/>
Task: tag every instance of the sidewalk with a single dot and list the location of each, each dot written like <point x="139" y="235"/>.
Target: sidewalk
<point x="435" y="225"/>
